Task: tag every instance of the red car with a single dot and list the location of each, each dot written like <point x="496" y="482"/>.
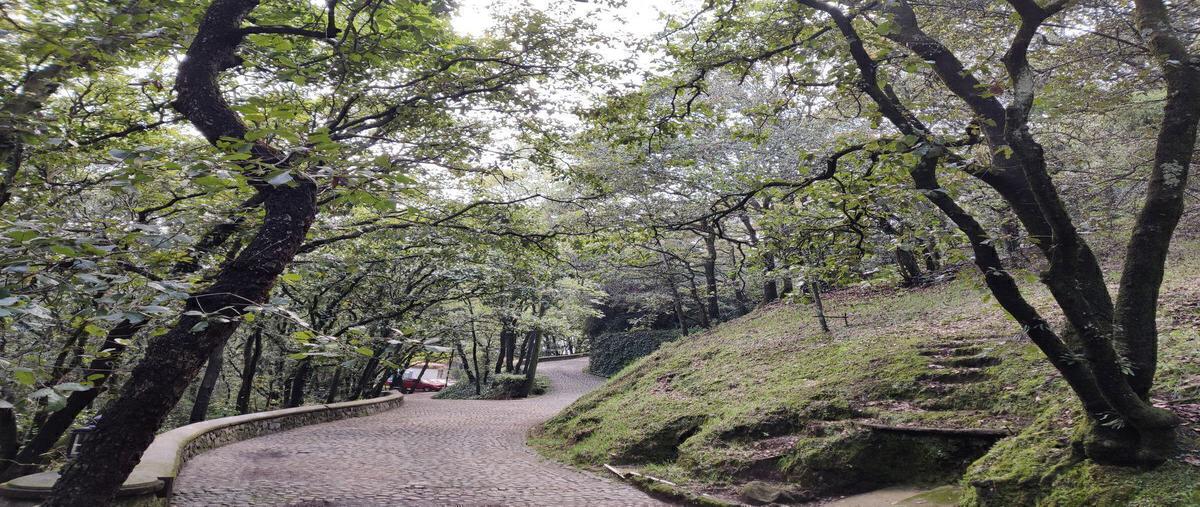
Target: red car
<point x="434" y="378"/>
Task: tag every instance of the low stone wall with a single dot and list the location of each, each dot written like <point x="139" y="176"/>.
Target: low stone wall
<point x="563" y="357"/>
<point x="153" y="478"/>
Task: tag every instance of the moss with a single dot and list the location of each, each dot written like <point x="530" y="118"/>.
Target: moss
<point x="768" y="395"/>
<point x="1041" y="466"/>
<point x="857" y="460"/>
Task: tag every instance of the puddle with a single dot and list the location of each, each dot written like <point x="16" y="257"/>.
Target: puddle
<point x="945" y="496"/>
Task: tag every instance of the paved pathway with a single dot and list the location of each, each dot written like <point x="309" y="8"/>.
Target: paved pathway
<point x="427" y="452"/>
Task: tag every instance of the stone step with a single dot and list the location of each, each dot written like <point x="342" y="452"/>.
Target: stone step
<point x="967" y="361"/>
<point x="959" y="351"/>
<point x="954" y="376"/>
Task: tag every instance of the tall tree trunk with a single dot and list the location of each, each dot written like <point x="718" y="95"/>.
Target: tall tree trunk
<point x="207" y="383"/>
<point x="535" y="349"/>
<point x="250" y="357"/>
<point x="480" y="376"/>
<point x="173" y="359"/>
<point x="705" y="322"/>
<point x="1142" y="273"/>
<point x="770" y="285"/>
<point x="910" y="269"/>
<point x="787" y="286"/>
<point x="931" y="255"/>
<point x="814" y="289"/>
<point x="676" y="299"/>
<point x="710" y="275"/>
<point x="466" y="365"/>
<point x="8" y="431"/>
<point x="335" y="382"/>
<point x="522" y="360"/>
<point x="299" y="383"/>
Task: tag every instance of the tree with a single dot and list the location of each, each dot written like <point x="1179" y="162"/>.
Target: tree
<point x="286" y="147"/>
<point x="1107" y="351"/>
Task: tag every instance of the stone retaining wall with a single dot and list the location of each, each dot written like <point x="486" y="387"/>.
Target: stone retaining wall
<point x="152" y="480"/>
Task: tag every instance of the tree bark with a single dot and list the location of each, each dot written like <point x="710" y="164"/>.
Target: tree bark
<point x="8" y="432"/>
<point x="535" y="349"/>
<point x="299" y="383"/>
<point x="207" y="383"/>
<point x="250" y="357"/>
<point x="710" y="275"/>
<point x="1146" y="253"/>
<point x="814" y="289"/>
<point x="335" y="381"/>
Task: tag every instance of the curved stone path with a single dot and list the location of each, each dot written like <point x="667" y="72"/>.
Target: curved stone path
<point x="427" y="452"/>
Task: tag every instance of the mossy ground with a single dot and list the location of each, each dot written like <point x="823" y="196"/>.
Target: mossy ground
<point x="767" y="396"/>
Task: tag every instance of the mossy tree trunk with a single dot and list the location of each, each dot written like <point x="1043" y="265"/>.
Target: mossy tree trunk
<point x="1113" y="387"/>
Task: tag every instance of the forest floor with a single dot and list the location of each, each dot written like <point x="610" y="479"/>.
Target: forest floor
<point x="426" y="452"/>
<point x="914" y="391"/>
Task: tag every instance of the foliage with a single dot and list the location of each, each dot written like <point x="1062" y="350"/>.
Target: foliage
<point x="610" y="352"/>
<point x="503" y="386"/>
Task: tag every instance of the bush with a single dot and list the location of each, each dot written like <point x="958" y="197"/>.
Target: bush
<point x="612" y="351"/>
<point x="504" y="386"/>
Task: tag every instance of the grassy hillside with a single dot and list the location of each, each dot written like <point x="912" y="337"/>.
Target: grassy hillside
<point x="768" y="398"/>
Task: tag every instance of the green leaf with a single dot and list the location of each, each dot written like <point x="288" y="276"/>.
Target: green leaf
<point x="72" y="387"/>
<point x="291" y="277"/>
<point x="21" y="236"/>
<point x="24" y="376"/>
<point x="64" y="250"/>
<point x="365" y="351"/>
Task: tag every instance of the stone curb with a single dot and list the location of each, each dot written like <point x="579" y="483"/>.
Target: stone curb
<point x="155" y="473"/>
<point x="561" y="358"/>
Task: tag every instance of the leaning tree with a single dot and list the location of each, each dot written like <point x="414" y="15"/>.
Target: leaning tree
<point x="903" y="60"/>
<point x="347" y="101"/>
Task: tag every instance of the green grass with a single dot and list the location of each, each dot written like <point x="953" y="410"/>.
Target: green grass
<point x="768" y="395"/>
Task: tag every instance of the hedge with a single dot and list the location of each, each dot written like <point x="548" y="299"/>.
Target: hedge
<point x="612" y="351"/>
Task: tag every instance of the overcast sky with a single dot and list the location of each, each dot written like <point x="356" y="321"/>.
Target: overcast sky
<point x="637" y="19"/>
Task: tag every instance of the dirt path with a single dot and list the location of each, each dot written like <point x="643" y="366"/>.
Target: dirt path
<point x="427" y="452"/>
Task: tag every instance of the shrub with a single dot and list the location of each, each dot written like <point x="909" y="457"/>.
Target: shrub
<point x="612" y="351"/>
<point x="504" y="386"/>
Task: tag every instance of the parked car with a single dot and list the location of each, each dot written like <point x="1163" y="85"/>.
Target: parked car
<point x="434" y="378"/>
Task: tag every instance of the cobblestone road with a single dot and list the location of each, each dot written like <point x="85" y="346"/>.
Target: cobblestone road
<point x="427" y="452"/>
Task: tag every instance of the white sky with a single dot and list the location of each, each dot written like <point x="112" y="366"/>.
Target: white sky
<point x="634" y="20"/>
<point x="638" y="17"/>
